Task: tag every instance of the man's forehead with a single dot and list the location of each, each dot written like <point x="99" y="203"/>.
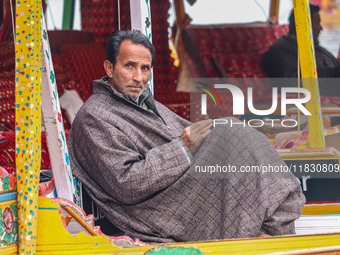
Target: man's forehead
<point x="129" y="51"/>
<point x="127" y="43"/>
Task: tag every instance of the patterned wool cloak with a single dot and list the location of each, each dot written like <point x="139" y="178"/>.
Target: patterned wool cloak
<point x="137" y="170"/>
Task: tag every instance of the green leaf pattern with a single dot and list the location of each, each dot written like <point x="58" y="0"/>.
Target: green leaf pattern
<point x="52" y="77"/>
<point x="6" y="183"/>
<point x="15" y="227"/>
<point x="148" y="21"/>
<point x="14" y="209"/>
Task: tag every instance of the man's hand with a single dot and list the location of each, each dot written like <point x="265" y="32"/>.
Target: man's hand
<point x="194" y="135"/>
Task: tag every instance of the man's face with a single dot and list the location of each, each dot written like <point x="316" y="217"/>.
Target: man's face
<point x="316" y="26"/>
<point x="132" y="70"/>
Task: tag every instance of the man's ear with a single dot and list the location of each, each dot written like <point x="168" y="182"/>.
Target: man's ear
<point x="108" y="68"/>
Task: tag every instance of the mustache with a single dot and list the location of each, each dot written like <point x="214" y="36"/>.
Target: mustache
<point x="140" y="85"/>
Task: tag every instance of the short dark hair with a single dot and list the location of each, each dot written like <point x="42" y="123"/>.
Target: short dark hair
<point x="313" y="9"/>
<point x="117" y="37"/>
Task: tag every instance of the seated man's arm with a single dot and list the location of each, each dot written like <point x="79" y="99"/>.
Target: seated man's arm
<point x="110" y="158"/>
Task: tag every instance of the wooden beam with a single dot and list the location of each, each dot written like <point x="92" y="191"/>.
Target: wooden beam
<point x="274" y="11"/>
<point x="28" y="119"/>
<point x="179" y="9"/>
<point x="182" y="19"/>
<point x="53" y="123"/>
<point x="309" y="75"/>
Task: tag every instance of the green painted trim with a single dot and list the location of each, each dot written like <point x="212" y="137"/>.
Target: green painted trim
<point x="167" y="250"/>
<point x="68" y="14"/>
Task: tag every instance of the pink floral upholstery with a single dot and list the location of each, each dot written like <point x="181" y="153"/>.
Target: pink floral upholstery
<point x="239" y="48"/>
<point x="7" y="55"/>
<point x="89" y="60"/>
<point x="7" y="150"/>
<point x="7" y="99"/>
<point x="58" y="38"/>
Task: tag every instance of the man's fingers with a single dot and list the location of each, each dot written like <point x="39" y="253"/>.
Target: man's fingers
<point x="199" y="133"/>
<point x="196" y="127"/>
<point x="202" y="123"/>
<point x="194" y="135"/>
<point x="198" y="138"/>
<point x="206" y="133"/>
<point x="201" y="129"/>
<point x="205" y="129"/>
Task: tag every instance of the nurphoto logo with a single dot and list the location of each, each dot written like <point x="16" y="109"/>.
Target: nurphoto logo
<point x="238" y="100"/>
<point x="218" y="99"/>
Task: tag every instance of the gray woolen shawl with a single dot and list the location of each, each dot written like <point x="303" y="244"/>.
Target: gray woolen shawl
<point x="137" y="170"/>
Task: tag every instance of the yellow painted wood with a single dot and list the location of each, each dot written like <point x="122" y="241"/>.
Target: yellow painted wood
<point x="308" y="71"/>
<point x="10" y="250"/>
<point x="309" y="154"/>
<point x="288" y="244"/>
<point x="28" y="117"/>
<point x="52" y="238"/>
<point x="321" y="209"/>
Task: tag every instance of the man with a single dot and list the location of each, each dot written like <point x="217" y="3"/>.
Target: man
<point x="135" y="158"/>
<point x="280" y="61"/>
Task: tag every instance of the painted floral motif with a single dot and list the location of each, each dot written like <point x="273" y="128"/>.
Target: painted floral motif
<point x="52" y="77"/>
<point x="59" y="116"/>
<point x="77" y="193"/>
<point x="8" y="225"/>
<point x="8" y="219"/>
<point x="7" y="183"/>
<point x="45" y="35"/>
<point x="147" y="22"/>
<point x="12" y="181"/>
